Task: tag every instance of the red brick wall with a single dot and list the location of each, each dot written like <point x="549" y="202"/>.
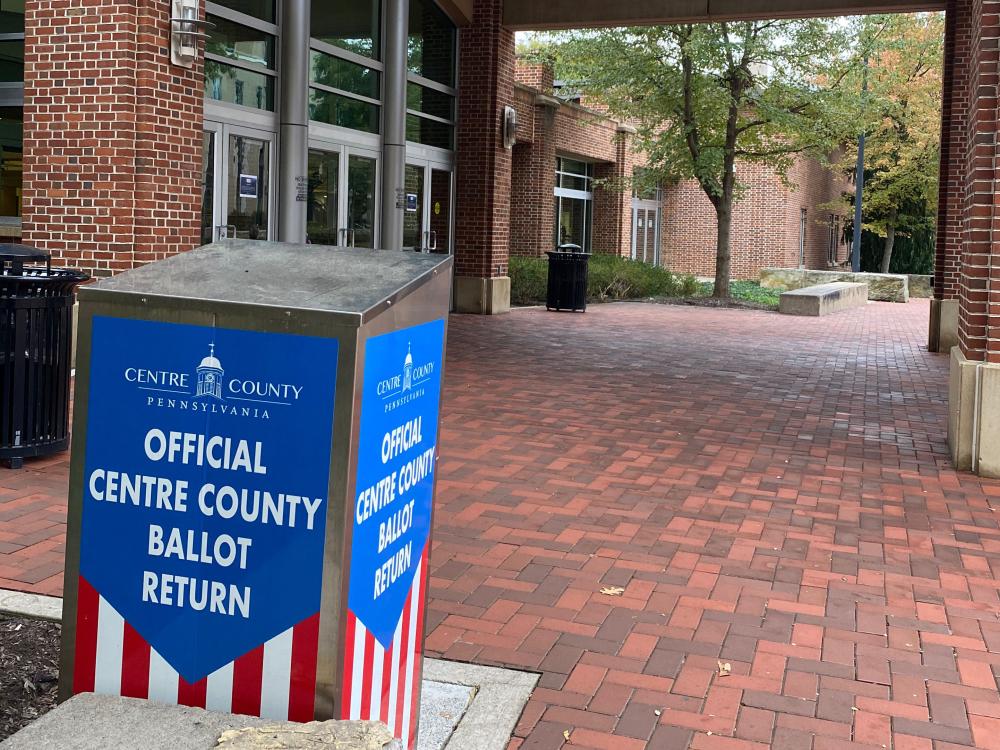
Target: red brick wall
<point x="483" y="174"/>
<point x="766" y="220"/>
<point x="112" y="135"/>
<point x="954" y="111"/>
<point x="535" y="75"/>
<point x="979" y="279"/>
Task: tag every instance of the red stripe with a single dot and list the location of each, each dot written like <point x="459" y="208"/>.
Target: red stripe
<point x="135" y="664"/>
<point x="192" y="694"/>
<point x="302" y="688"/>
<point x="418" y="649"/>
<point x="85" y="663"/>
<point x="367" y="674"/>
<point x="345" y="708"/>
<point x="248" y="674"/>
<point x="386" y="684"/>
<point x="401" y="678"/>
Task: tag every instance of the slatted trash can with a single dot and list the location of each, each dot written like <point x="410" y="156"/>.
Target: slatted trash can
<point x="567" y="281"/>
<point x="36" y="345"/>
<point x="254" y="452"/>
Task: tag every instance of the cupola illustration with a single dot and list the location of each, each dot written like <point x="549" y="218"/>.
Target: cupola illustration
<point x="210" y="375"/>
<point x="408" y="370"/>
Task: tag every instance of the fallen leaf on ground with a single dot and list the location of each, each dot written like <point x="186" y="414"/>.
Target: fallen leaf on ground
<point x="613" y="590"/>
<point x="566" y="734"/>
<point x="725" y="669"/>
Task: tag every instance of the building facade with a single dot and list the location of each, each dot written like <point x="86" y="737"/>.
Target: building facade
<point x="576" y="178"/>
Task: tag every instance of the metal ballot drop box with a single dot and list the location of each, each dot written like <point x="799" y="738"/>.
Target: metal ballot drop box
<point x="252" y="481"/>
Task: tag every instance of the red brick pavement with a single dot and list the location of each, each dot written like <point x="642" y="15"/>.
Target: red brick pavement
<point x="771" y="493"/>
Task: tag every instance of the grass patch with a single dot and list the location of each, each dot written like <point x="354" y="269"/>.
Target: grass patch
<point x="748" y="291"/>
<point x="610" y="277"/>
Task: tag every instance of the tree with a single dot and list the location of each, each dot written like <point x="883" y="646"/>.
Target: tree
<point x="704" y="97"/>
<point x="901" y="113"/>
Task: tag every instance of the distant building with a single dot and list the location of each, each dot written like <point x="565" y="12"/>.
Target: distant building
<point x="564" y="150"/>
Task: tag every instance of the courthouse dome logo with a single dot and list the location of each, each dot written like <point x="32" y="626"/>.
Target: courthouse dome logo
<point x="404" y="385"/>
<point x="209" y="390"/>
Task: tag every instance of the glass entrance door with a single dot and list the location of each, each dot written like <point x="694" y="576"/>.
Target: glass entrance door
<point x="427" y="220"/>
<point x="645" y="231"/>
<point x="342" y="207"/>
<point x="236" y="187"/>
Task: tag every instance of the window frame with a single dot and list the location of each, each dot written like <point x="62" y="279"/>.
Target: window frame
<point x="272" y="29"/>
<point x="587" y="196"/>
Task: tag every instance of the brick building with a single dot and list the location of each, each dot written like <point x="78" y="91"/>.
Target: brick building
<point x="125" y="136"/>
<point x="573" y="162"/>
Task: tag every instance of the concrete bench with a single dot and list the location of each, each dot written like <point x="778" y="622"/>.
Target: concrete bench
<point x="823" y="299"/>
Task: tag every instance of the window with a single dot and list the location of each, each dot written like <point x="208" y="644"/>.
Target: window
<point x="345" y="75"/>
<point x="11" y="114"/>
<point x="430" y="89"/>
<point x="574" y="203"/>
<point x="240" y="53"/>
<point x="353" y="26"/>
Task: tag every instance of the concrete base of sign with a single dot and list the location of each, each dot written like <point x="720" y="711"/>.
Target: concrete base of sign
<point x="482" y="296"/>
<point x="35" y="606"/>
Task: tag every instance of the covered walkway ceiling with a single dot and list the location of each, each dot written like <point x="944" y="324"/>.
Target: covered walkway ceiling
<point x="525" y="15"/>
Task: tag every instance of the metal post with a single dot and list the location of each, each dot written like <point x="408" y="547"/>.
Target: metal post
<point x="293" y="145"/>
<point x="859" y="183"/>
<point x="394" y="124"/>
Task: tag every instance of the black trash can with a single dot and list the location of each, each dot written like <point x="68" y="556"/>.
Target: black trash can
<point x="36" y="341"/>
<point x="567" y="284"/>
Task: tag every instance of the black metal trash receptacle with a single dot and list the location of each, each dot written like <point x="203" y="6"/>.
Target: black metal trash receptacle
<point x="567" y="283"/>
<point x="36" y="342"/>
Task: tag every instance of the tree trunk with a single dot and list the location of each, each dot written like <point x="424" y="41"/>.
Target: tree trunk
<point x="890" y="239"/>
<point x="723" y="251"/>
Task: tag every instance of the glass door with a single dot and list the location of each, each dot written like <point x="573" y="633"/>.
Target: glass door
<point x="237" y="164"/>
<point x="342" y="217"/>
<point x="427" y="217"/>
<point x="645" y="231"/>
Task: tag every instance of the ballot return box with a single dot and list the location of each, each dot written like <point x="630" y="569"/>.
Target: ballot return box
<point x="252" y="482"/>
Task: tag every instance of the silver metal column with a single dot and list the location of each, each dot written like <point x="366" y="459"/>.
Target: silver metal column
<point x="293" y="144"/>
<point x="394" y="124"/>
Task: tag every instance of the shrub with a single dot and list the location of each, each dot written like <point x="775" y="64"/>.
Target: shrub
<point x="611" y="277"/>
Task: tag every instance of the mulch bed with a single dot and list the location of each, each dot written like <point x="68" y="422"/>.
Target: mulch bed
<point x="735" y="304"/>
<point x="29" y="671"/>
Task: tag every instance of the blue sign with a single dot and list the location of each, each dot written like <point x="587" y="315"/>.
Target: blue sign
<point x="395" y="481"/>
<point x="206" y="483"/>
<point x="248" y="186"/>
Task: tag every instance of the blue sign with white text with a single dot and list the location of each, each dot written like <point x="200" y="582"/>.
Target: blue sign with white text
<point x="206" y="483"/>
<point x="395" y="480"/>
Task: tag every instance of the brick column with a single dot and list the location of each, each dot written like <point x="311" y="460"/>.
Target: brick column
<point x="532" y="204"/>
<point x="613" y="204"/>
<point x="974" y="396"/>
<point x="943" y="332"/>
<point x="482" y="228"/>
<point x="112" y="139"/>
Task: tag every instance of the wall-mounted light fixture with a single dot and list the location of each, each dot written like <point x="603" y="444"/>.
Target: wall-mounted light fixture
<point x="185" y="31"/>
<point x="509" y="127"/>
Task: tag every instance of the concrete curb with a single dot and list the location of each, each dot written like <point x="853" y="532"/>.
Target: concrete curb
<point x="499" y="695"/>
<point x="35" y="606"/>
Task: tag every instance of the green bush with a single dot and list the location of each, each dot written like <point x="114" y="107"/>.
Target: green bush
<point x="746" y="291"/>
<point x="611" y="277"/>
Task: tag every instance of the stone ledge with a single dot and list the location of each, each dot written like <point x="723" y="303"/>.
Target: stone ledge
<point x="823" y="299"/>
<point x="882" y="287"/>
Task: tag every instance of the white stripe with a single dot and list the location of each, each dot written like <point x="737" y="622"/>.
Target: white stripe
<point x="410" y="652"/>
<point x="378" y="664"/>
<point x="357" y="669"/>
<point x="397" y="645"/>
<point x="219" y="689"/>
<point x="162" y="679"/>
<point x="110" y="637"/>
<point x="277" y="676"/>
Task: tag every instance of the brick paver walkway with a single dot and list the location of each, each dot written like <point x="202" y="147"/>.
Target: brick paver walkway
<point x="772" y="494"/>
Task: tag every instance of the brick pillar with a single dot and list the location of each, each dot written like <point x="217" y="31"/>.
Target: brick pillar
<point x="112" y="139"/>
<point x="482" y="228"/>
<point x="943" y="332"/>
<point x="974" y="395"/>
<point x="532" y="204"/>
<point x="613" y="204"/>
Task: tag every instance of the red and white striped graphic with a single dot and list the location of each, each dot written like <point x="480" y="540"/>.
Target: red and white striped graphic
<point x="382" y="684"/>
<point x="276" y="680"/>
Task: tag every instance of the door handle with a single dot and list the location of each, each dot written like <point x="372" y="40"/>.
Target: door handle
<point x="342" y="236"/>
<point x="350" y="235"/>
<point x="434" y="240"/>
